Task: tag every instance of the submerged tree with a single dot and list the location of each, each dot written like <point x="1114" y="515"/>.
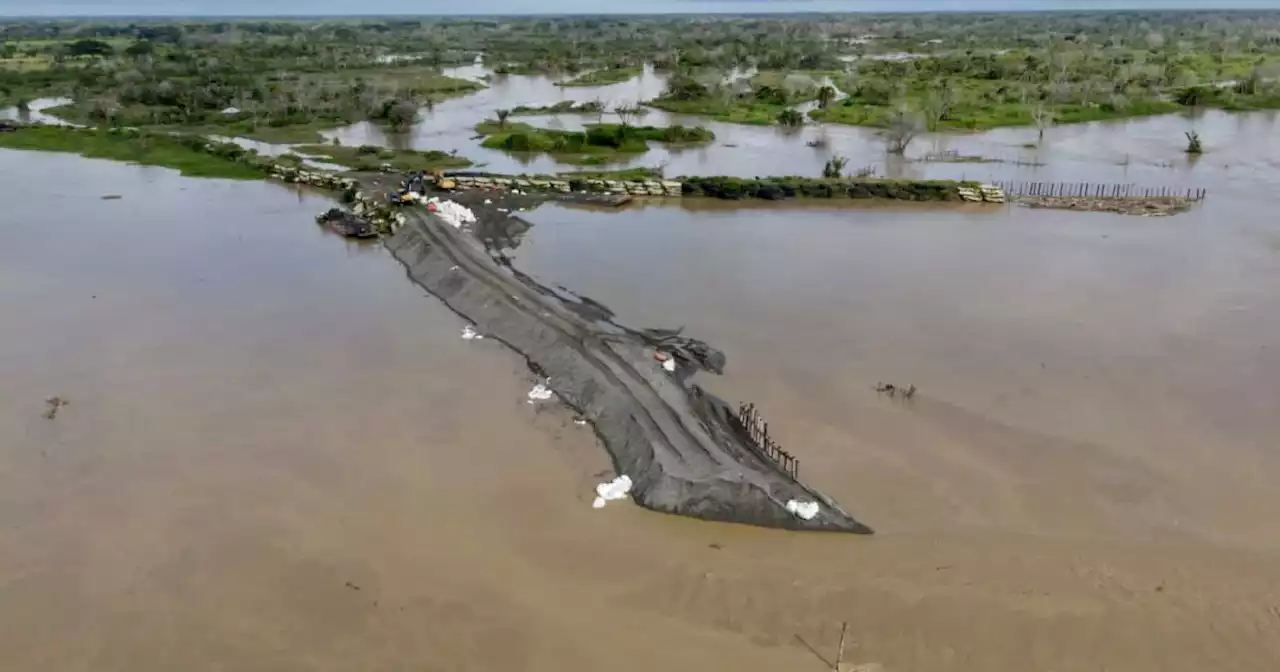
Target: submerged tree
<point x="502" y="117"/>
<point x="627" y="114"/>
<point x="835" y="166"/>
<point x="1042" y="116"/>
<point x="903" y="127"/>
<point x="1193" y="143"/>
<point x="398" y="112"/>
<point x="791" y="118"/>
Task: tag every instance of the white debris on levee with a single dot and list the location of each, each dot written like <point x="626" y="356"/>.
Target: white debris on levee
<point x="670" y="364"/>
<point x="540" y="392"/>
<point x="469" y="333"/>
<point x="579" y="422"/>
<point x="612" y="490"/>
<point x="451" y="212"/>
<point x="805" y="510"/>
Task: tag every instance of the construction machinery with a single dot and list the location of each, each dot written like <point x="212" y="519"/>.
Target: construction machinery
<point x="414" y="188"/>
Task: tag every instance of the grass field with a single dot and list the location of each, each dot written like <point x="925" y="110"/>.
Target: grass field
<point x="145" y="149"/>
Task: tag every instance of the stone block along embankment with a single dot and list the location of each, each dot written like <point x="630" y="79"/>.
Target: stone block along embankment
<point x="683" y="449"/>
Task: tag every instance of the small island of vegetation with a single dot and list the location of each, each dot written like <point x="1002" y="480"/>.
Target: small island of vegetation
<point x="604" y="76"/>
<point x="597" y="143"/>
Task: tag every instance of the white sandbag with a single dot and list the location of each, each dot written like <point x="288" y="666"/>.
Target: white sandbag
<point x="454" y="213"/>
<point x="609" y="491"/>
<point x="540" y="392"/>
<point x="801" y="509"/>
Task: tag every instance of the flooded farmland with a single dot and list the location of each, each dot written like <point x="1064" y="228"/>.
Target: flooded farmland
<point x="279" y="454"/>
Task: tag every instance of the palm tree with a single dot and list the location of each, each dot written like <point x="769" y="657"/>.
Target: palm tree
<point x="826" y="94"/>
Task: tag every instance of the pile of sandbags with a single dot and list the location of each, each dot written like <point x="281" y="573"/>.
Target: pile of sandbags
<point x="453" y="213"/>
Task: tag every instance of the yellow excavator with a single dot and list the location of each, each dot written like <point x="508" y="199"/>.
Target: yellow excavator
<point x="416" y="185"/>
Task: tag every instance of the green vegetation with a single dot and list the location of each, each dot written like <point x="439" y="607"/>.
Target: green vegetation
<point x="287" y="79"/>
<point x="493" y="126"/>
<point x="275" y="105"/>
<point x="263" y="79"/>
<point x="790" y="118"/>
<point x="192" y="155"/>
<point x="1193" y="143"/>
<point x="765" y="99"/>
<point x="604" y="76"/>
<point x="599" y="141"/>
<point x="639" y="174"/>
<point x="734" y="112"/>
<point x="562" y="107"/>
<point x="1041" y="69"/>
<point x="370" y="158"/>
<point x="834" y="167"/>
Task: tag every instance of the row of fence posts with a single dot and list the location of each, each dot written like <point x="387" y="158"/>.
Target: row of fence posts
<point x="758" y="430"/>
<point x="1096" y="190"/>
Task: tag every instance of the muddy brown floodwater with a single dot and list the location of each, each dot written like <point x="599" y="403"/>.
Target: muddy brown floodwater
<point x="279" y="454"/>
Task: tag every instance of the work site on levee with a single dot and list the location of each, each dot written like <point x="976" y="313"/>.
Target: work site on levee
<point x="687" y="336"/>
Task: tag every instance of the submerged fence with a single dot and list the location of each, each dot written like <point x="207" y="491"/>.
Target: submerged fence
<point x="758" y="430"/>
<point x="1098" y="190"/>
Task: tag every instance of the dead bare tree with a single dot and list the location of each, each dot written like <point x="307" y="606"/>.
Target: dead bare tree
<point x="1043" y="118"/>
<point x="627" y="114"/>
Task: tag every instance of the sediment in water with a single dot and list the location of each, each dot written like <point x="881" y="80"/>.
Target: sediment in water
<point x="683" y="448"/>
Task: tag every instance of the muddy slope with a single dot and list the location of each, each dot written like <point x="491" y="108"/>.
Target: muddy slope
<point x="683" y="448"/>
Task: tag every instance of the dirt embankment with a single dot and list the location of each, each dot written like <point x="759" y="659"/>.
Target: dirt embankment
<point x="684" y="449"/>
